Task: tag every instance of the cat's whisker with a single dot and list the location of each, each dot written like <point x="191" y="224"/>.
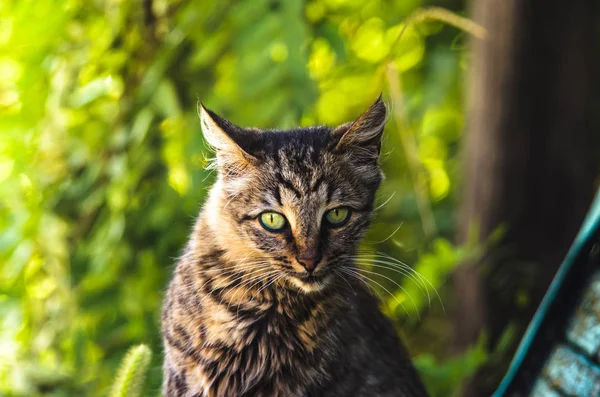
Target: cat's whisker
<point x="399" y="264"/>
<point x="246" y="274"/>
<point x="268" y="284"/>
<point x="359" y="277"/>
<point x="395" y="283"/>
<point x="243" y="261"/>
<point x="224" y="269"/>
<point x="231" y="271"/>
<point x="298" y="290"/>
<point x="339" y="273"/>
<point x="245" y="285"/>
<point x="384" y="203"/>
<point x="248" y="277"/>
<point x="382" y="287"/>
<point x="256" y="280"/>
<point x="423" y="292"/>
<point x="393" y="267"/>
<point x="210" y="172"/>
<point x="421" y="276"/>
<point x="406" y="270"/>
<point x="388" y="237"/>
<point x="232" y="197"/>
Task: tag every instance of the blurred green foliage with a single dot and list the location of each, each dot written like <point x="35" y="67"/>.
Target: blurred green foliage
<point x="102" y="161"/>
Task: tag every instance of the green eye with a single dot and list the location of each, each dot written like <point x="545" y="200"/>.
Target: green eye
<point x="272" y="221"/>
<point x="337" y="216"/>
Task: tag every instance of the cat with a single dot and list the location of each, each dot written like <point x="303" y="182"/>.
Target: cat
<point x="261" y="302"/>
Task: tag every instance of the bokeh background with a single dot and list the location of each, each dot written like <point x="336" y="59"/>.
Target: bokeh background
<point x="491" y="158"/>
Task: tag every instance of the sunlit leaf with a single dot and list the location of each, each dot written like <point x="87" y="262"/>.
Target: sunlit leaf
<point x="369" y="43"/>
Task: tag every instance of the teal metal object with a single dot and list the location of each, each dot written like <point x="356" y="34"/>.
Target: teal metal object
<point x="567" y="374"/>
<point x="570" y="373"/>
<point x="584" y="330"/>
<point x="568" y="364"/>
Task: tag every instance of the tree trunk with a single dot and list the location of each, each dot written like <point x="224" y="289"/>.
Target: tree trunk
<point x="530" y="158"/>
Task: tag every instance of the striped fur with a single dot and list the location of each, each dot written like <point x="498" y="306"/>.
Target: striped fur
<point x="242" y="316"/>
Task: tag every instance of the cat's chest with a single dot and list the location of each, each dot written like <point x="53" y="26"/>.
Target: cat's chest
<point x="276" y="328"/>
<point x="264" y="349"/>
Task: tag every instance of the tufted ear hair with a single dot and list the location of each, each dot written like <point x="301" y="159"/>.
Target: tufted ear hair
<point x="231" y="143"/>
<point x="363" y="135"/>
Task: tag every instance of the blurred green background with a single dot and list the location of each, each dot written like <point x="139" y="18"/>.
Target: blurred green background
<point x="102" y="162"/>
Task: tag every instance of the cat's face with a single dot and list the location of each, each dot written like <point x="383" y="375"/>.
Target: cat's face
<point x="294" y="203"/>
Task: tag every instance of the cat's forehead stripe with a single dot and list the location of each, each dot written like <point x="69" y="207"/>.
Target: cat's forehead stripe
<point x="285" y="182"/>
<point x="317" y="183"/>
<point x="276" y="192"/>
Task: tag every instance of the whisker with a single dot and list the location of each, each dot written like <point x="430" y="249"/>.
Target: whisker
<point x="344" y="270"/>
<point x="339" y="273"/>
<point x="257" y="280"/>
<point x="417" y="273"/>
<point x="231" y="198"/>
<point x="246" y="274"/>
<point x="403" y="265"/>
<point x="395" y="283"/>
<point x="385" y="202"/>
<point x="227" y="269"/>
<point x="405" y="270"/>
<point x="237" y="270"/>
<point x="409" y="271"/>
<point x="397" y="268"/>
<point x="382" y="287"/>
<point x="227" y="274"/>
<point x="210" y="171"/>
<point x="388" y="237"/>
<point x="269" y="284"/>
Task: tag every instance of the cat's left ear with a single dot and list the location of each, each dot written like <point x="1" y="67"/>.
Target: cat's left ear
<point x="232" y="143"/>
<point x="363" y="134"/>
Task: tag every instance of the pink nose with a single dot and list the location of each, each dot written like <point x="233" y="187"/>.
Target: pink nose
<point x="309" y="263"/>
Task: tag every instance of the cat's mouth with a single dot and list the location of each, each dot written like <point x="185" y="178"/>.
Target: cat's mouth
<point x="312" y="278"/>
<point x="310" y="282"/>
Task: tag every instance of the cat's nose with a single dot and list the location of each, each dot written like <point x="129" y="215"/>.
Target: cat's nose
<point x="309" y="262"/>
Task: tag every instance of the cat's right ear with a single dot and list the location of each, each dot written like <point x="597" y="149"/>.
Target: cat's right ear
<point x="363" y="135"/>
<point x="226" y="138"/>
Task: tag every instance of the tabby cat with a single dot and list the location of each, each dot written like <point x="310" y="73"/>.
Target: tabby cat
<point x="260" y="303"/>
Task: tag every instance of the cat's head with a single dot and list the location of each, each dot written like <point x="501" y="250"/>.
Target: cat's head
<point x="294" y="203"/>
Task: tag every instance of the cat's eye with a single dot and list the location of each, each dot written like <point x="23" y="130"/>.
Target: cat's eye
<point x="337" y="216"/>
<point x="272" y="221"/>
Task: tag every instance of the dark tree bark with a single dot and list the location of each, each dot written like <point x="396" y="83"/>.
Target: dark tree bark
<point x="530" y="156"/>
